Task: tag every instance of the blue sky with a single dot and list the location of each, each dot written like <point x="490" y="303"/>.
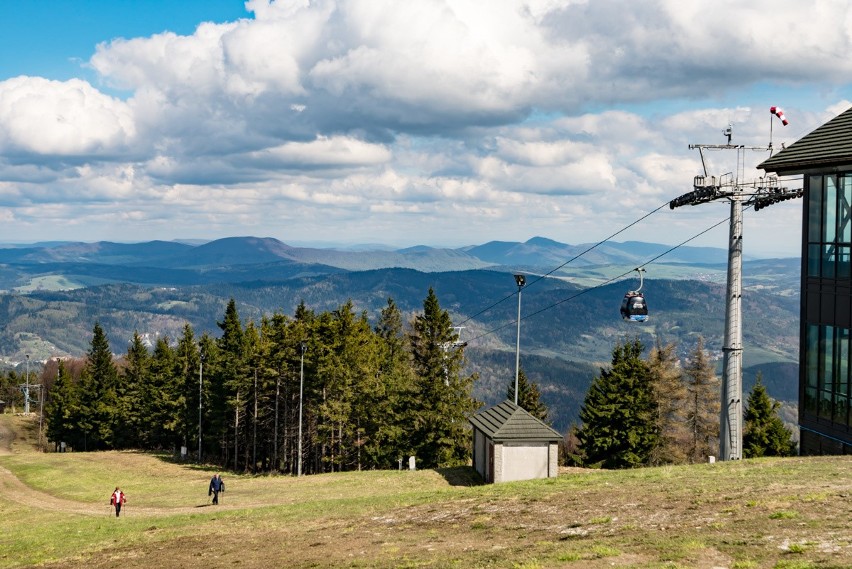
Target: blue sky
<point x="436" y="122"/>
<point x="55" y="38"/>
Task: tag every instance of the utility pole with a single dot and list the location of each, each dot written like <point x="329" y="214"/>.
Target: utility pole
<point x="520" y="280"/>
<point x="303" y="347"/>
<point x="27" y="389"/>
<point x="759" y="194"/>
<point x="200" y="399"/>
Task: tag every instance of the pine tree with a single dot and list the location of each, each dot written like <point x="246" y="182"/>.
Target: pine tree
<point x="98" y="399"/>
<point x="161" y="397"/>
<point x="529" y="396"/>
<point x="670" y="397"/>
<point x="764" y="433"/>
<point x="187" y="360"/>
<point x="132" y="404"/>
<point x="349" y="368"/>
<point x="440" y="434"/>
<point x="62" y="410"/>
<point x="703" y="403"/>
<point x="228" y="385"/>
<point x="619" y="427"/>
<point x="392" y="397"/>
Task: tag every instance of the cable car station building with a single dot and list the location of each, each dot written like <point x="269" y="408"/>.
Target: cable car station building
<point x="824" y="159"/>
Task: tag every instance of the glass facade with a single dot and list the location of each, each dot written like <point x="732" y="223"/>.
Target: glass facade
<point x="830" y="226"/>
<point x="825" y="410"/>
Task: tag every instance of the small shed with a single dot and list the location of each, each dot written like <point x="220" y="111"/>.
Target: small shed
<point x="510" y="444"/>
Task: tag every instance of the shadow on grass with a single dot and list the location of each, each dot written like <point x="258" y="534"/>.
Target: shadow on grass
<point x="461" y="476"/>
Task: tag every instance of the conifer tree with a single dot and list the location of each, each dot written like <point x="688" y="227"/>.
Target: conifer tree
<point x="132" y="404"/>
<point x="703" y="403"/>
<point x="440" y="434"/>
<point x="187" y="360"/>
<point x="98" y="394"/>
<point x="62" y="410"/>
<point x="670" y="397"/>
<point x="392" y="400"/>
<point x="619" y="424"/>
<point x="228" y="383"/>
<point x="348" y="367"/>
<point x="764" y="433"/>
<point x="529" y="396"/>
<point x="161" y="397"/>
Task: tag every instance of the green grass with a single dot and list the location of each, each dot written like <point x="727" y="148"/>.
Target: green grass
<point x="751" y="513"/>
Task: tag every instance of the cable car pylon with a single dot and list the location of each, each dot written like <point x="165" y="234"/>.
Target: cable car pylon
<point x="760" y="193"/>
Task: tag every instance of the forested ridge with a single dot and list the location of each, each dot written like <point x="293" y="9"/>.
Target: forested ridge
<point x="361" y="396"/>
<point x="561" y="346"/>
<point x="324" y="391"/>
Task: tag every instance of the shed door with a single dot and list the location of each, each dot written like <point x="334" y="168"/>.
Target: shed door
<point x="525" y="461"/>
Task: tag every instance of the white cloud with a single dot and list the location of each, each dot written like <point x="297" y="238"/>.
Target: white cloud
<point x="56" y="118"/>
<point x="322" y="152"/>
<point x="465" y="115"/>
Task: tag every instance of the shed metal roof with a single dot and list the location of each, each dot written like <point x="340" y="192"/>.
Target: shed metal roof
<point x="507" y="422"/>
<point x="829" y="146"/>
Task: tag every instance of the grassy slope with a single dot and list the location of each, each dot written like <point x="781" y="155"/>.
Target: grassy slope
<point x="756" y="513"/>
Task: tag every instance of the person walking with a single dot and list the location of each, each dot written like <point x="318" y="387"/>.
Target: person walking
<point x="216" y="486"/>
<point x="118" y="499"/>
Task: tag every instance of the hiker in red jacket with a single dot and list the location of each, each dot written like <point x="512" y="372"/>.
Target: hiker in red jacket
<point x="118" y="498"/>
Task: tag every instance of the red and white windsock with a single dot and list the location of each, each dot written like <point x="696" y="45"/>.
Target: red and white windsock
<point x="780" y="114"/>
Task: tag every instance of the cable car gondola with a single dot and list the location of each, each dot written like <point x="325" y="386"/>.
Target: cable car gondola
<point x="633" y="307"/>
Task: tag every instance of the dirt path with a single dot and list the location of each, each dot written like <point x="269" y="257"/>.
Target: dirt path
<point x="15" y="490"/>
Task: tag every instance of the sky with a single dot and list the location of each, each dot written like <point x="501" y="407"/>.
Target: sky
<point x="433" y="122"/>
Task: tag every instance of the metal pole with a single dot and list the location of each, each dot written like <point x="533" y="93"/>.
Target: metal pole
<point x="200" y="381"/>
<point x="301" y="394"/>
<point x="518" y="347"/>
<point x="731" y="412"/>
<point x="27" y="389"/>
<point x="520" y="280"/>
<point x="275" y="433"/>
<point x="254" y="427"/>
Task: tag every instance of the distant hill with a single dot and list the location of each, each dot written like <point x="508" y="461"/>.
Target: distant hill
<point x="233" y="259"/>
<point x="57" y="291"/>
<point x="567" y="331"/>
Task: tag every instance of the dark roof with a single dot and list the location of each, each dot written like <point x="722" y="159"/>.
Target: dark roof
<point x="829" y="146"/>
<point x="507" y="422"/>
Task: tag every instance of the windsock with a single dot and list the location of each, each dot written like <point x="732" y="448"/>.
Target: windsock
<point x="780" y="114"/>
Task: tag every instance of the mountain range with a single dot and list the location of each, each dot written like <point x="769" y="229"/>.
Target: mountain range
<point x="55" y="292"/>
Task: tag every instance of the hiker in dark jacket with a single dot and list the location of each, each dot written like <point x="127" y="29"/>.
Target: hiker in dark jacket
<point x="216" y="486"/>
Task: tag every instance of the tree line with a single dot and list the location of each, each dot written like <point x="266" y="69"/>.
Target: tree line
<point x="323" y="392"/>
<point x="654" y="411"/>
<point x="311" y="393"/>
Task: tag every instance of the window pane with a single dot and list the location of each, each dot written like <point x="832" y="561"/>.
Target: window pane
<point x="829" y="224"/>
<point x="844" y="264"/>
<point x="841" y="410"/>
<point x="844" y="232"/>
<point x="811" y="400"/>
<point x="826" y="408"/>
<point x="814" y="208"/>
<point x="828" y="251"/>
<point x="813" y="260"/>
<point x="827" y="349"/>
<point x="841" y="376"/>
<point x="812" y="356"/>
